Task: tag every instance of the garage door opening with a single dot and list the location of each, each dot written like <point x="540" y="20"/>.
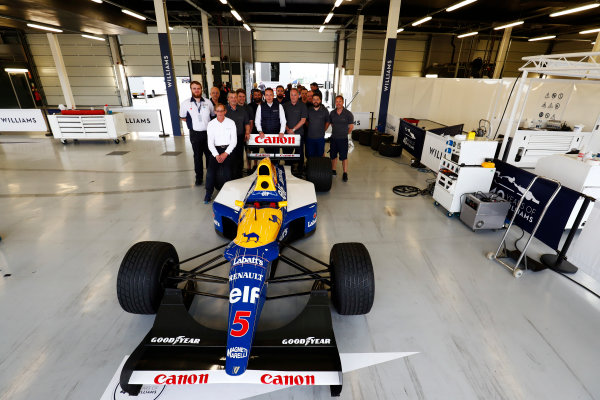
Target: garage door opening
<point x="273" y="74"/>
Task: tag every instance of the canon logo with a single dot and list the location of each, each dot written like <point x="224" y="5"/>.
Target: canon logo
<point x="163" y="379"/>
<point x="276" y="140"/>
<point x="290" y="380"/>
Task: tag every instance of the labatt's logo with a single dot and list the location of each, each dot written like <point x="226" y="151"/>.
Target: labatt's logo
<point x="248" y="260"/>
<point x="276" y="140"/>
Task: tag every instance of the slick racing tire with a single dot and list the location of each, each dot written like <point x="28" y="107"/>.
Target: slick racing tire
<point x="352" y="279"/>
<point x="390" y="149"/>
<point x="365" y="138"/>
<point x="144" y="275"/>
<point x="318" y="171"/>
<point x="387" y="138"/>
<point x="356" y="134"/>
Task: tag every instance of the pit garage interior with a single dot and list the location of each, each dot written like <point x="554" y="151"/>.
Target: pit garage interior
<point x="449" y="320"/>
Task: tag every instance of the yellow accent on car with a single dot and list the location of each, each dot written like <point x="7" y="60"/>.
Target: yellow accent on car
<point x="258" y="227"/>
<point x="266" y="179"/>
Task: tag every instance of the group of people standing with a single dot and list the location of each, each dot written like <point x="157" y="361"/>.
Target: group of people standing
<point x="218" y="131"/>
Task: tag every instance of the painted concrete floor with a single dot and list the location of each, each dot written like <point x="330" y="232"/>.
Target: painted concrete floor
<point x="69" y="213"/>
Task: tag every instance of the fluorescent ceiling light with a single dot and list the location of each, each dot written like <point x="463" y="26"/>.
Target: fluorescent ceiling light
<point x="236" y="15"/>
<point x="590" y="31"/>
<point x="459" y="5"/>
<point x="247" y="27"/>
<point x="431" y="76"/>
<point x="16" y="70"/>
<point x="94" y="37"/>
<point x="399" y="30"/>
<point x="97" y="1"/>
<point x="321" y="28"/>
<point x="509" y="25"/>
<point x="574" y="10"/>
<point x="419" y="22"/>
<point x="46" y="28"/>
<point x="135" y="15"/>
<point x="593" y="43"/>
<point x="328" y="18"/>
<point x="337" y="3"/>
<point x="467" y="34"/>
<point x="170" y="28"/>
<point x="223" y="1"/>
<point x="542" y="38"/>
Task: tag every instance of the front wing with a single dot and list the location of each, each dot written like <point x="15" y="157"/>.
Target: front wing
<point x="178" y="350"/>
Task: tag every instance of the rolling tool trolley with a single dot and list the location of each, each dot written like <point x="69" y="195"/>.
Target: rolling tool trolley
<point x="501" y="254"/>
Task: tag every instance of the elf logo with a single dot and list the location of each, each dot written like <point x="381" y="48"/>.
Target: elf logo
<point x="247" y="294"/>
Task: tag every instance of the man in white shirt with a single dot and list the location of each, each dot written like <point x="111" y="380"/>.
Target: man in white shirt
<point x="222" y="138"/>
<point x="196" y="112"/>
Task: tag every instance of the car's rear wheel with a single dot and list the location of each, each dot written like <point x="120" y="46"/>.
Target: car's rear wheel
<point x="144" y="275"/>
<point x="318" y="171"/>
<point x="352" y="278"/>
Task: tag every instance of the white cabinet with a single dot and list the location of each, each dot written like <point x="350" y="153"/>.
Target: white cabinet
<point x="88" y="127"/>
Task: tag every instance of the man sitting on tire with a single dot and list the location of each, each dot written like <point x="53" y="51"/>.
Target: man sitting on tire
<point x="342" y="123"/>
<point x="318" y="122"/>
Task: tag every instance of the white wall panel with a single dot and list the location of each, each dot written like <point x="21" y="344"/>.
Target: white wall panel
<point x="298" y="45"/>
<point x="89" y="67"/>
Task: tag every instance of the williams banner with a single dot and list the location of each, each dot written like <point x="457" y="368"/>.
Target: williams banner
<point x="169" y="73"/>
<point x="386" y="84"/>
<point x="511" y="182"/>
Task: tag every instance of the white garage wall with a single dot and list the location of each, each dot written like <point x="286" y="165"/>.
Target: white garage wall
<point x="294" y="46"/>
<point x="466" y="101"/>
<point x="89" y="66"/>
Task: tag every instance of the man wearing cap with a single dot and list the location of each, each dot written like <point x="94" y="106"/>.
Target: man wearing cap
<point x="196" y="112"/>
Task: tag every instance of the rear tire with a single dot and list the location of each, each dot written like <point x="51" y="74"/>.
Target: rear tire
<point x="352" y="279"/>
<point x="318" y="171"/>
<point x="143" y="276"/>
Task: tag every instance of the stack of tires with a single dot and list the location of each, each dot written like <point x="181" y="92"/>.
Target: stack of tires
<point x="379" y="138"/>
<point x="365" y="136"/>
<point x="390" y="149"/>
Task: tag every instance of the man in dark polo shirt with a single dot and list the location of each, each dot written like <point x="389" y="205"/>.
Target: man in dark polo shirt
<point x="239" y="115"/>
<point x="280" y="91"/>
<point x="342" y="123"/>
<point x="295" y="116"/>
<point x="318" y="122"/>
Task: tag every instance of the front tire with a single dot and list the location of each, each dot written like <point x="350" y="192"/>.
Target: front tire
<point x="144" y="275"/>
<point x="318" y="171"/>
<point x="352" y="279"/>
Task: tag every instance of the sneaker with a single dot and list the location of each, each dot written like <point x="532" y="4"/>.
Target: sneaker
<point x="333" y="172"/>
<point x="207" y="198"/>
<point x="198" y="182"/>
<point x="345" y="177"/>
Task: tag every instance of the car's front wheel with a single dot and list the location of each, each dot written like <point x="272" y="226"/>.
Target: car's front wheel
<point x="318" y="171"/>
<point x="352" y="279"/>
<point x="144" y="275"/>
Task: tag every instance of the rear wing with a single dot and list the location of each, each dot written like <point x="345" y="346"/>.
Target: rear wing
<point x="271" y="144"/>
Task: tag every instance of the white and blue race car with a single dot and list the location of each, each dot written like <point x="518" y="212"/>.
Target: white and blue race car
<point x="262" y="214"/>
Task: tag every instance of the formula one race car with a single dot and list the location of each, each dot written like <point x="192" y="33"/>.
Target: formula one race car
<point x="262" y="214"/>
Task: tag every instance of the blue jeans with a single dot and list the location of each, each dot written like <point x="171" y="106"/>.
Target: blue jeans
<point x="315" y="147"/>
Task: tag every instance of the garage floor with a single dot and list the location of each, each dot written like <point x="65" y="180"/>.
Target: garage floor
<point x="68" y="214"/>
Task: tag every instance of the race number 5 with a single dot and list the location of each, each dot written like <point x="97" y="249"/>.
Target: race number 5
<point x="241" y="317"/>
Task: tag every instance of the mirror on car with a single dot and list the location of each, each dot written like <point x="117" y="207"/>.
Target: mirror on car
<point x="239" y="203"/>
<point x="282" y="204"/>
